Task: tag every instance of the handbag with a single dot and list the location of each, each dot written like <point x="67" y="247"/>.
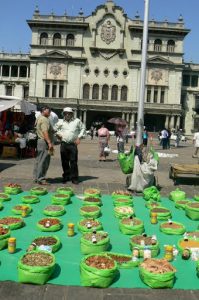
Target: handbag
<point x="107" y="150"/>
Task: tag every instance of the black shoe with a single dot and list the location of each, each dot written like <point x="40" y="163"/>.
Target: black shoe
<point x="64" y="180"/>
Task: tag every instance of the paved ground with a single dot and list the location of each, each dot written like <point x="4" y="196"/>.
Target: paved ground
<point x="108" y="177"/>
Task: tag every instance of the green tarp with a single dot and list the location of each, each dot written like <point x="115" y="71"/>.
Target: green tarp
<point x="69" y="256"/>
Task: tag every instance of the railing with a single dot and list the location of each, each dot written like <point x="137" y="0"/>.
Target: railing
<point x="64" y="18"/>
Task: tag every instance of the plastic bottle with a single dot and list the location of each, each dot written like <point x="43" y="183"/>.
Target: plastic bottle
<point x="24" y="211"/>
<point x="71" y="229"/>
<point x="11" y="245"/>
<point x="147" y="253"/>
<point x="93" y="238"/>
<point x="135" y="252"/>
<point x="154" y="219"/>
<point x="168" y="252"/>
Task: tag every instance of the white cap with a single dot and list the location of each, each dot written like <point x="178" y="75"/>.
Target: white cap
<point x="68" y="109"/>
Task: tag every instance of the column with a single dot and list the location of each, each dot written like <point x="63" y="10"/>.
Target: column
<point x="75" y="113"/>
<point x="100" y="92"/>
<point x="119" y="94"/>
<point x="9" y="71"/>
<point x="123" y="115"/>
<point x="0" y="70"/>
<point x="152" y="95"/>
<point x="178" y="122"/>
<point x="167" y="121"/>
<point x="172" y="122"/>
<point x="127" y="117"/>
<point x="159" y="94"/>
<point x="132" y="121"/>
<point x="84" y="115"/>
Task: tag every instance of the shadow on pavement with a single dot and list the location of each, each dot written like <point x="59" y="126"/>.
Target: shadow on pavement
<point x="4" y="166"/>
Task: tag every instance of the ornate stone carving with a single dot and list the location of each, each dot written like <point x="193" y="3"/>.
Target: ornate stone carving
<point x="108" y="32"/>
<point x="55" y="69"/>
<point x="156" y="75"/>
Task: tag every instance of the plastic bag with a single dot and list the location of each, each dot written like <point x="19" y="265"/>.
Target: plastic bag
<point x="55" y="247"/>
<point x="131" y="229"/>
<point x="157" y="281"/>
<point x="192" y="212"/>
<point x="55" y="213"/>
<point x="107" y="150"/>
<point x="91" y="276"/>
<point x="87" y="247"/>
<point x="180" y="230"/>
<point x="126" y="161"/>
<point x="128" y="264"/>
<point x="61" y="200"/>
<point x="84" y="229"/>
<point x="155" y="249"/>
<point x="151" y="194"/>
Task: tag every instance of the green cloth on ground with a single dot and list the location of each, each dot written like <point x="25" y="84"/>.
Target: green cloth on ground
<point x="69" y="256"/>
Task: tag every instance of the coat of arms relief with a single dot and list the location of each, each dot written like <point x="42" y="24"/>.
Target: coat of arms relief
<point x="55" y="71"/>
<point x="108" y="32"/>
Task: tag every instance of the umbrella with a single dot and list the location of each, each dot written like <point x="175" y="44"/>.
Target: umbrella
<point x="118" y="121"/>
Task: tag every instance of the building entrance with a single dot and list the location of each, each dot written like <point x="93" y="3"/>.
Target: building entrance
<point x="96" y="118"/>
<point x="154" y="122"/>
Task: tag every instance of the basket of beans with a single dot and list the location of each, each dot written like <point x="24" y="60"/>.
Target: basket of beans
<point x="152" y="204"/>
<point x="131" y="225"/>
<point x="94" y="242"/>
<point x="65" y="190"/>
<point x="36" y="267"/>
<point x="49" y="224"/>
<point x="17" y="209"/>
<point x="141" y="241"/>
<point x="157" y="273"/>
<point x="98" y="270"/>
<point x="60" y="199"/>
<point x="192" y="210"/>
<point x="54" y="210"/>
<point x="92" y="192"/>
<point x="123" y="202"/>
<point x="12" y="222"/>
<point x="89" y="225"/>
<point x="123" y="261"/>
<point x="92" y="201"/>
<point x="38" y="191"/>
<point x="171" y="227"/>
<point x="4" y="235"/>
<point x="12" y="188"/>
<point x="51" y="241"/>
<point x="181" y="203"/>
<point x="90" y="211"/>
<point x="30" y="199"/>
<point x="162" y="212"/>
<point x="4" y="197"/>
<point x="121" y="194"/>
<point x="123" y="211"/>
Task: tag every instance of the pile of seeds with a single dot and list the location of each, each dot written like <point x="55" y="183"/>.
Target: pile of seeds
<point x="157" y="266"/>
<point x="51" y="221"/>
<point x="119" y="258"/>
<point x="91" y="191"/>
<point x="37" y="259"/>
<point x="160" y="210"/>
<point x="47" y="241"/>
<point x="131" y="221"/>
<point x="138" y="238"/>
<point x="89" y="208"/>
<point x="9" y="220"/>
<point x="93" y="223"/>
<point x="91" y="199"/>
<point x="121" y="192"/>
<point x="3" y="230"/>
<point x="99" y="236"/>
<point x="53" y="208"/>
<point x="100" y="262"/>
<point x="171" y="225"/>
<point x="61" y="195"/>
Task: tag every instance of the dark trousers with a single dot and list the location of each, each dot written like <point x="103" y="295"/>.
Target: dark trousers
<point x="69" y="158"/>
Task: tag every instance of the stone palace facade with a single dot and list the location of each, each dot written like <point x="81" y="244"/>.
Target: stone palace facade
<point x="93" y="65"/>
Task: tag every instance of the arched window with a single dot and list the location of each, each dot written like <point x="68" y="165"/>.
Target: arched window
<point x="114" y="93"/>
<point x="170" y="46"/>
<point x="57" y="39"/>
<point x="95" y="94"/>
<point x="44" y="38"/>
<point x="124" y="93"/>
<point x="70" y="40"/>
<point x="86" y="91"/>
<point x="158" y="45"/>
<point x="105" y="92"/>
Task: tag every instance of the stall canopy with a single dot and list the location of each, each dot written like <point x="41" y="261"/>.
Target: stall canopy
<point x="17" y="104"/>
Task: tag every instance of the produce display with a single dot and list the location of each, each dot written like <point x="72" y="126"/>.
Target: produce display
<point x="54" y="210"/>
<point x="89" y="225"/>
<point x="30" y="199"/>
<point x="12" y="188"/>
<point x="92" y="193"/>
<point x="90" y="211"/>
<point x="61" y="199"/>
<point x="18" y="209"/>
<point x="94" y="242"/>
<point x="38" y="190"/>
<point x="52" y="241"/>
<point x="4" y="235"/>
<point x="12" y="222"/>
<point x="172" y="228"/>
<point x="4" y="197"/>
<point x="65" y="190"/>
<point x="157" y="273"/>
<point x="123" y="261"/>
<point x="192" y="210"/>
<point x="123" y="211"/>
<point x="49" y="224"/>
<point x="132" y="226"/>
<point x="92" y="201"/>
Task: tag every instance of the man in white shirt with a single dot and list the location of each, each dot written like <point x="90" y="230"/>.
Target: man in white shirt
<point x="69" y="130"/>
<point x="196" y="143"/>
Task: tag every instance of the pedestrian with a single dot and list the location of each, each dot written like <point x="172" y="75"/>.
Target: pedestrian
<point x="145" y="137"/>
<point x="69" y="131"/>
<point x="104" y="137"/>
<point x="92" y="132"/>
<point x="168" y="139"/>
<point x="164" y="135"/>
<point x="196" y="143"/>
<point x="45" y="148"/>
<point x="120" y="137"/>
<point x="178" y="137"/>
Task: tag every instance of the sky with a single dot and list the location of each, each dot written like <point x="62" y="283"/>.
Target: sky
<point x="15" y="34"/>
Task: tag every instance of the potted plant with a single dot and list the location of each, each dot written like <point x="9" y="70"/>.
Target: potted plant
<point x="49" y="224"/>
<point x="94" y="242"/>
<point x="98" y="270"/>
<point x="30" y="199"/>
<point x="131" y="225"/>
<point x="12" y="222"/>
<point x="157" y="273"/>
<point x="12" y="188"/>
<point x="54" y="210"/>
<point x="60" y="199"/>
<point x="89" y="225"/>
<point x="36" y="267"/>
<point x="171" y="227"/>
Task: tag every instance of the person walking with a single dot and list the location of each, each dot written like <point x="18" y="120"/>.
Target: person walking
<point x="164" y="135"/>
<point x="145" y="137"/>
<point x="196" y="144"/>
<point x="69" y="131"/>
<point x="104" y="137"/>
<point x="45" y="148"/>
